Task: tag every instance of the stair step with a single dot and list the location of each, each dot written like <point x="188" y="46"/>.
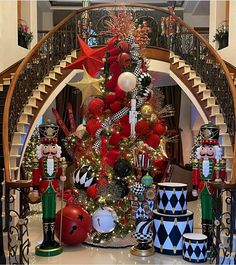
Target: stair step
<point x="23" y="127"/>
<point x="68" y="58"/>
<point x="187" y="69"/>
<point x="16" y="149"/>
<point x="210" y="101"/>
<point x="197" y="82"/>
<point x="192" y="74"/>
<point x="202" y="87"/>
<point x="74" y="54"/>
<point x="42" y="88"/>
<point x="47" y="81"/>
<point x="218" y="119"/>
<point x="32" y="102"/>
<point x="52" y="75"/>
<point x="37" y="95"/>
<point x="228" y="151"/>
<point x="63" y="63"/>
<point x="6" y="81"/>
<point x="206" y="94"/>
<point x="24" y="118"/>
<point x="225" y="139"/>
<point x="181" y="64"/>
<point x="57" y="69"/>
<point x="28" y="110"/>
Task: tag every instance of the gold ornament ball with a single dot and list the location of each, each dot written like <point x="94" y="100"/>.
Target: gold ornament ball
<point x="153" y="117"/>
<point x="146" y="111"/>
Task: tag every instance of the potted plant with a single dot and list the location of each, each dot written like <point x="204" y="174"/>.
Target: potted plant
<point x="24" y="36"/>
<point x="222" y="36"/>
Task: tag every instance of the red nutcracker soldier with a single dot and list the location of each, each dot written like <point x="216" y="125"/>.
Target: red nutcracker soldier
<point x="46" y="172"/>
<point x="207" y="167"/>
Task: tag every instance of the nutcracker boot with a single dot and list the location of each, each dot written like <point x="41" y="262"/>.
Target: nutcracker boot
<point x="207" y="229"/>
<point x="49" y="247"/>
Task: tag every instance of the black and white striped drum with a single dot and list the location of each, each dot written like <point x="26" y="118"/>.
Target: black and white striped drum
<point x="168" y="232"/>
<point x="195" y="247"/>
<point x="172" y="198"/>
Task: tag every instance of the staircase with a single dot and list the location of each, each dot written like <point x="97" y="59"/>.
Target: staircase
<point x="30" y="113"/>
<point x="43" y="70"/>
<point x="208" y="102"/>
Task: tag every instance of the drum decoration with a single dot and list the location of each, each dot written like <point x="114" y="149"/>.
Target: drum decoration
<point x="168" y="232"/>
<point x="172" y="198"/>
<point x="195" y="247"/>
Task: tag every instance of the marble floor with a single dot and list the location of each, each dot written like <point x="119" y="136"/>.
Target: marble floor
<point x="84" y="254"/>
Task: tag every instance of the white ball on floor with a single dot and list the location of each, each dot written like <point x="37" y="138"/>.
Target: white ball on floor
<point x="104" y="220"/>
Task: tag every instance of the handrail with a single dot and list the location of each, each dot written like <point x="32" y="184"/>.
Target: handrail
<point x="36" y="50"/>
<point x="11" y="69"/>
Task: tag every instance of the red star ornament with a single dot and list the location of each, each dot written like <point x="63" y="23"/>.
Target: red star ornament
<point x="90" y="58"/>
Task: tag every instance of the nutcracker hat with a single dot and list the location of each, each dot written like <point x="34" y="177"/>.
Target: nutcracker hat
<point x="48" y="132"/>
<point x="209" y="134"/>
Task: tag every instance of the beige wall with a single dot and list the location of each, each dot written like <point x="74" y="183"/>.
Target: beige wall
<point x="217" y="14"/>
<point x="185" y="125"/>
<point x="10" y="52"/>
<point x="196" y="21"/>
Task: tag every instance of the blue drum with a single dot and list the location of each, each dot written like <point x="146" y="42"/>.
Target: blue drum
<point x="172" y="198"/>
<point x="169" y="230"/>
<point x="195" y="247"/>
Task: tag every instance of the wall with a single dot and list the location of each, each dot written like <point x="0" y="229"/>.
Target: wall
<point x="185" y="125"/>
<point x="10" y="52"/>
<point x="196" y="21"/>
<point x="217" y="15"/>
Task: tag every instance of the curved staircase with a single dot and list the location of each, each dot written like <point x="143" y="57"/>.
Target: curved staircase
<point x="208" y="102"/>
<point x="43" y="70"/>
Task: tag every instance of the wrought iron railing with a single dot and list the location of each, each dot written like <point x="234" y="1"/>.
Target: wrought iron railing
<point x="61" y="41"/>
<point x="223" y="247"/>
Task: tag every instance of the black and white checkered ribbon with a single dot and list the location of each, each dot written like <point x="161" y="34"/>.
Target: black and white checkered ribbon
<point x="117" y="116"/>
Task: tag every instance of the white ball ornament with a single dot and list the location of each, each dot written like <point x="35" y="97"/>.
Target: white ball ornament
<point x="127" y="81"/>
<point x="104" y="220"/>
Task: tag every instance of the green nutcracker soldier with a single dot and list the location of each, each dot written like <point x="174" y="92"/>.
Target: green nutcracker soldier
<point x="207" y="167"/>
<point x="46" y="173"/>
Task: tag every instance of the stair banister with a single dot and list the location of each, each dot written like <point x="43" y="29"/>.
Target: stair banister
<point x="36" y="48"/>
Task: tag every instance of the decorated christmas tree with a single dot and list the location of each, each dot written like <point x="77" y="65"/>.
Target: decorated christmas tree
<point x="122" y="139"/>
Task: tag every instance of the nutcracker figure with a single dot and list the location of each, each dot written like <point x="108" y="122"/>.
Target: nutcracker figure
<point x="207" y="167"/>
<point x="46" y="172"/>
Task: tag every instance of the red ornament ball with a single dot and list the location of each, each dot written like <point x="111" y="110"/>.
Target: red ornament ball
<point x="76" y="224"/>
<point x="124" y="60"/>
<point x="153" y="140"/>
<point x="161" y="163"/>
<point x="92" y="126"/>
<point x="142" y="127"/>
<point x="96" y="107"/>
<point x="115" y="139"/>
<point x="92" y="191"/>
<point x="160" y="127"/>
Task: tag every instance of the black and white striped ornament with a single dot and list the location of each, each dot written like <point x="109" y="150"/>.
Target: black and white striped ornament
<point x="144" y="79"/>
<point x="83" y="177"/>
<point x="145" y="92"/>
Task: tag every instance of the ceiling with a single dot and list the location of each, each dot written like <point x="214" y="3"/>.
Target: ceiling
<point x="196" y="7"/>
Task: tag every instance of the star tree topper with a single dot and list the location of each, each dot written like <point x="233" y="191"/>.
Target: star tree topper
<point x="90" y="58"/>
<point x="89" y="86"/>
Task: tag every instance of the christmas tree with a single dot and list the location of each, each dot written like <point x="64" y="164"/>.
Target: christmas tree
<point x="122" y="139"/>
<point x="31" y="153"/>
